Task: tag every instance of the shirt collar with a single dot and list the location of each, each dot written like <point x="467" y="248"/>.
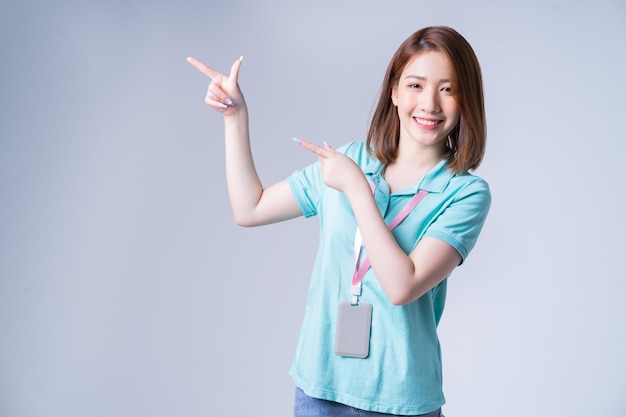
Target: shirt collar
<point x="434" y="181"/>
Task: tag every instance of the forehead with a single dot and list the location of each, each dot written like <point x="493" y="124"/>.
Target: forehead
<point x="428" y="64"/>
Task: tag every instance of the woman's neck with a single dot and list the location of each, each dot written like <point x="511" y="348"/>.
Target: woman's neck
<point x="411" y="165"/>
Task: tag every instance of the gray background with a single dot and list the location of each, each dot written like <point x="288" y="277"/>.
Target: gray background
<point x="125" y="287"/>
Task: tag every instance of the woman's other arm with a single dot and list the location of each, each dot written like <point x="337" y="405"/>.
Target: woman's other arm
<point x="404" y="278"/>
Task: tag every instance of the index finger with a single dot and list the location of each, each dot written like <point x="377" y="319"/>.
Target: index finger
<point x="205" y="69"/>
<point x="318" y="150"/>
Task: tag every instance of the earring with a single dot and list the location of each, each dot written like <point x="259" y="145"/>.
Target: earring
<point x="449" y="142"/>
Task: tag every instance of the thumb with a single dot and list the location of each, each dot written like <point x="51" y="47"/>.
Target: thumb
<point x="233" y="77"/>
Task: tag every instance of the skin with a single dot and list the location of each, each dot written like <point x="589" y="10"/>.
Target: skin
<point x="420" y="93"/>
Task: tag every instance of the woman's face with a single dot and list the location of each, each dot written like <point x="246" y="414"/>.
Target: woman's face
<point x="427" y="107"/>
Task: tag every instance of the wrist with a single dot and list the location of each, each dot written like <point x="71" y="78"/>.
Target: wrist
<point x="359" y="189"/>
<point x="239" y="114"/>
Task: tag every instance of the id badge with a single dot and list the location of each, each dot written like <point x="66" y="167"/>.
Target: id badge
<point x="352" y="337"/>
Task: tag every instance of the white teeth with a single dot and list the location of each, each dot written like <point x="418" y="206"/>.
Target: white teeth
<point x="426" y="122"/>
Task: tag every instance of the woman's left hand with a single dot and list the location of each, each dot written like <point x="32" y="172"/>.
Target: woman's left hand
<point x="338" y="171"/>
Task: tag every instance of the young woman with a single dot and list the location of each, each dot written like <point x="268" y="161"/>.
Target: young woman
<point x="397" y="212"/>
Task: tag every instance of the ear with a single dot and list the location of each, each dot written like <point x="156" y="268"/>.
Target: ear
<point x="394" y="95"/>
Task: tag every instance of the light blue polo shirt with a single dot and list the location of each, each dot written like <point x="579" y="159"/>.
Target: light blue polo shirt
<point x="402" y="374"/>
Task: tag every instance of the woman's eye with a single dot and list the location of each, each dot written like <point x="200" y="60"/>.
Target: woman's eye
<point x="447" y="89"/>
<point x="415" y="86"/>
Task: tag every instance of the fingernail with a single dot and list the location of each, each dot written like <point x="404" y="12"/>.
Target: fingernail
<point x="223" y="106"/>
<point x="230" y="102"/>
<point x="296" y="140"/>
<point x="327" y="145"/>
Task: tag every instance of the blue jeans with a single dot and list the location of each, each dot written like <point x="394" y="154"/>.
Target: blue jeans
<point x="306" y="406"/>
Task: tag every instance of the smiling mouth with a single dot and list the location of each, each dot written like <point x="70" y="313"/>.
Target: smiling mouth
<point x="426" y="122"/>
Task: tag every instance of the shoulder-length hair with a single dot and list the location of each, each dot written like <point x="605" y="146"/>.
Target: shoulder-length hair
<point x="469" y="135"/>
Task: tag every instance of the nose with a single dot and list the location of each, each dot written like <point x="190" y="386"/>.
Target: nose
<point x="430" y="101"/>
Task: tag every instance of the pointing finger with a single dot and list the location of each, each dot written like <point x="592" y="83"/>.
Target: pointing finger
<point x="205" y="69"/>
<point x="318" y="150"/>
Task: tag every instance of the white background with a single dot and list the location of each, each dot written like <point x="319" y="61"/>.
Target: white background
<point x="127" y="290"/>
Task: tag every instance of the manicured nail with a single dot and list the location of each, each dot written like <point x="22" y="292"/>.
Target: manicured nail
<point x="298" y="141"/>
<point x="230" y="102"/>
<point x="223" y="106"/>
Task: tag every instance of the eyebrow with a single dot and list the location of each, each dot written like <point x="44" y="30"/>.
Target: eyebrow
<point x="418" y="77"/>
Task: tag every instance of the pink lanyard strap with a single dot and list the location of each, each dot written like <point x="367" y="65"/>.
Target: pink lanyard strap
<point x="359" y="271"/>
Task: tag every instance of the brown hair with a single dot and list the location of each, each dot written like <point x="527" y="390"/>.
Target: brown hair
<point x="469" y="135"/>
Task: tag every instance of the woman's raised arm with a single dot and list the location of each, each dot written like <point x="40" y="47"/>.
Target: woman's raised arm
<point x="252" y="204"/>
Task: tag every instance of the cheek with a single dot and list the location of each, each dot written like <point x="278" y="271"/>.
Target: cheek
<point x="457" y="117"/>
<point x="454" y="112"/>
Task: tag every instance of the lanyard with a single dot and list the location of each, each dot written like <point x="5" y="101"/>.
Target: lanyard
<point x="359" y="271"/>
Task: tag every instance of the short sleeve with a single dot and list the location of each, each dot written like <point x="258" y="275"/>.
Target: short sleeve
<point x="307" y="187"/>
<point x="460" y="223"/>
